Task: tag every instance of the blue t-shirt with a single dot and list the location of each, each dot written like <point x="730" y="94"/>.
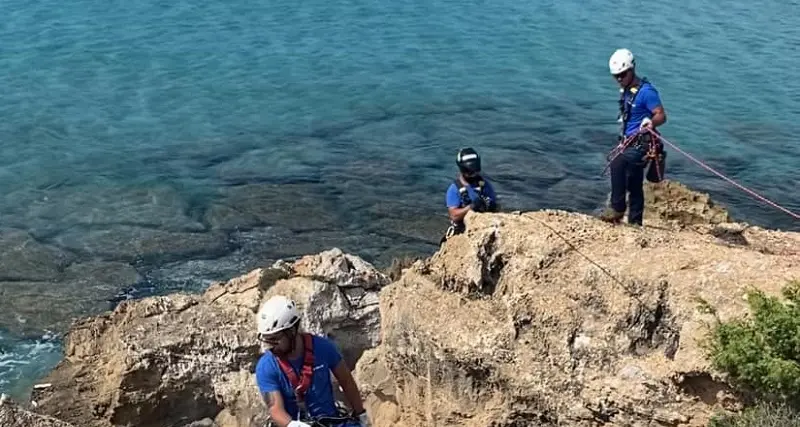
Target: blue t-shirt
<point x="453" y="198"/>
<point x="319" y="397"/>
<point x="644" y="103"/>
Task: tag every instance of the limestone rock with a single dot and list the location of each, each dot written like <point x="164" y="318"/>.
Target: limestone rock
<point x="205" y="422"/>
<point x="338" y="294"/>
<point x="173" y="360"/>
<point x="12" y="415"/>
<point x="671" y="200"/>
<point x="378" y="387"/>
<point x="556" y="318"/>
<point x="344" y="269"/>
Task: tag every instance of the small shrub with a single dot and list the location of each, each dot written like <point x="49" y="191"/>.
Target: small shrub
<point x="762" y="352"/>
<point x="761" y="415"/>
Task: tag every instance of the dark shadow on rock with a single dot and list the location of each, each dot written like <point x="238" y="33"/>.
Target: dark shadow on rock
<point x="733" y="237"/>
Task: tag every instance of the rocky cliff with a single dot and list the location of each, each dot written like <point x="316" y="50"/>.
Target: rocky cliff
<point x="553" y="318"/>
<point x="542" y="318"/>
<point x="11" y="415"/>
<point x="173" y="360"/>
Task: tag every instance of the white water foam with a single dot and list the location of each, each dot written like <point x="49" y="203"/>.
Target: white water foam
<point x="24" y="361"/>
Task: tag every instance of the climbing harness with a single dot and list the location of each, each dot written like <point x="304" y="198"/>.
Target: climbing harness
<point x="655" y="156"/>
<point x="466" y="200"/>
<point x="302" y="384"/>
<point x="626" y="104"/>
<point x="342" y="418"/>
<point x="335" y="421"/>
<point x="463" y="193"/>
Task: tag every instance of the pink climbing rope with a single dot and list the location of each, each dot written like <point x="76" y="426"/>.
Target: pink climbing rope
<point x="732" y="182"/>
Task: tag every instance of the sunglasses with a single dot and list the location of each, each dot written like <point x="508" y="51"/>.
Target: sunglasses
<point x="621" y="75"/>
<point x="271" y="339"/>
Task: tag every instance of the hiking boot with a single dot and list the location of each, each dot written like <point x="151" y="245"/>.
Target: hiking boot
<point x="612" y="216"/>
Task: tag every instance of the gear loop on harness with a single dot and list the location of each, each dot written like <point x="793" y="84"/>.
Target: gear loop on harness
<point x="654" y="156"/>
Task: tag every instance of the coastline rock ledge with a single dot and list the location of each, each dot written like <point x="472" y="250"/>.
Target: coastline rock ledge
<point x="539" y="318"/>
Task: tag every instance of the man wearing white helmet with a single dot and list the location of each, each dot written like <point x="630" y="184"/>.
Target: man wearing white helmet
<point x="641" y="111"/>
<point x="294" y="375"/>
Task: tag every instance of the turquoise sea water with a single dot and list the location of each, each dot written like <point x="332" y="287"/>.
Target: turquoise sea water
<point x="147" y="147"/>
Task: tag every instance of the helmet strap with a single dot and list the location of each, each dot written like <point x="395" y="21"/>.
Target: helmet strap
<point x="293" y="335"/>
<point x="635" y="80"/>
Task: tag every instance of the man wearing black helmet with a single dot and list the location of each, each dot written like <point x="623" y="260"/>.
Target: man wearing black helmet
<point x="469" y="192"/>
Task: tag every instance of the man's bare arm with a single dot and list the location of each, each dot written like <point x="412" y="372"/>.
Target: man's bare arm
<point x="274" y="402"/>
<point x="349" y="387"/>
<point x="458" y="214"/>
<point x="659" y="116"/>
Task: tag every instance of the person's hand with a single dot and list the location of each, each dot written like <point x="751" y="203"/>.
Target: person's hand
<point x="364" y="420"/>
<point x="297" y="424"/>
<point x="478" y="205"/>
<point x="646" y="124"/>
<point x="491" y="205"/>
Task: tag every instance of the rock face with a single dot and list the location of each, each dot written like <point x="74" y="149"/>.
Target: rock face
<point x="177" y="359"/>
<point x="555" y="318"/>
<point x="535" y="319"/>
<point x="12" y="415"/>
<point x="673" y="201"/>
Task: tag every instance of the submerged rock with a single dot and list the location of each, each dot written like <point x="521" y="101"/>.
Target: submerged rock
<point x="24" y="258"/>
<point x="60" y="208"/>
<point x="34" y="307"/>
<point x="139" y="244"/>
<point x="299" y="207"/>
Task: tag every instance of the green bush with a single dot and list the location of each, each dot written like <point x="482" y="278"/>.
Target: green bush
<point x="761" y="415"/>
<point x="761" y="352"/>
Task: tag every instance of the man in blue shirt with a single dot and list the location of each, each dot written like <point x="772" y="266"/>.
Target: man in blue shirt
<point x="469" y="192"/>
<point x="641" y="111"/>
<point x="294" y="375"/>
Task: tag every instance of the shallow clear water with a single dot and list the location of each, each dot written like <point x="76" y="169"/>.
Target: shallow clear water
<point x="161" y="146"/>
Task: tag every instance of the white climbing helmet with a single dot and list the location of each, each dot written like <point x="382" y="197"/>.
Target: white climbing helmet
<point x="621" y="60"/>
<point x="276" y="314"/>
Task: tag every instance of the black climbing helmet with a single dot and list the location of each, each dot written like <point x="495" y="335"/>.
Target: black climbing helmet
<point x="468" y="161"/>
